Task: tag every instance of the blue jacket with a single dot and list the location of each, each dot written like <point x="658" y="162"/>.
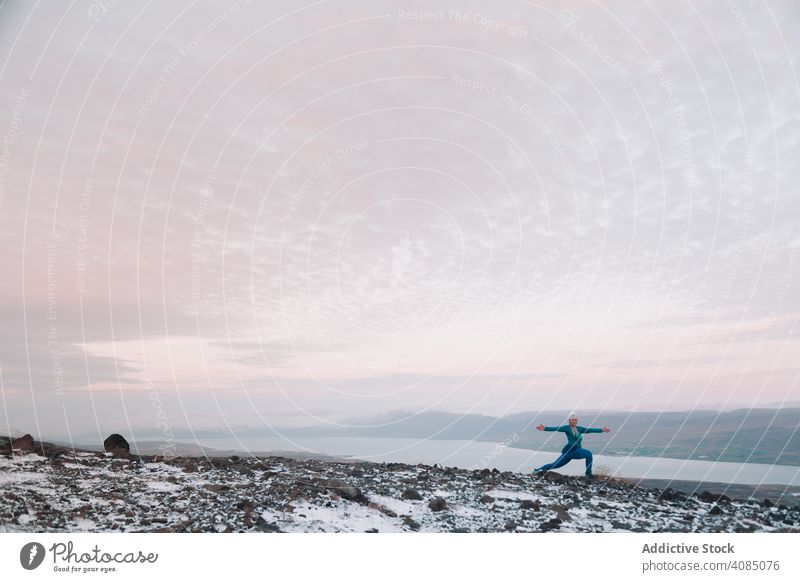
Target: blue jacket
<point x="574" y="441"/>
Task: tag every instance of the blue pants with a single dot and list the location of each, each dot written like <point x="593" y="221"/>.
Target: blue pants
<point x="567" y="455"/>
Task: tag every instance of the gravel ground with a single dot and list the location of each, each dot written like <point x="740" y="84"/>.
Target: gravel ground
<point x="89" y="491"/>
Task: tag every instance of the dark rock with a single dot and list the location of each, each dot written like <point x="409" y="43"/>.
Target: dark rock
<point x="667" y="495"/>
<point x="23" y="443"/>
<point x="554" y="477"/>
<point x="117" y="445"/>
<point x="264" y="526"/>
<point x="511" y="526"/>
<point x="411" y="523"/>
<point x="715" y="510"/>
<point x="371" y="530"/>
<point x="530" y="504"/>
<point x="411" y="493"/>
<point x="486" y="499"/>
<point x="346" y="491"/>
<point x="437" y="504"/>
<point x="767" y="503"/>
<point x="709" y="497"/>
<point x="384" y="510"/>
<point x="554" y="523"/>
<point x="561" y="511"/>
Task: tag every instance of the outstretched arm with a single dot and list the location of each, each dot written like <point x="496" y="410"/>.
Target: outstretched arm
<point x="593" y="430"/>
<point x="547" y="428"/>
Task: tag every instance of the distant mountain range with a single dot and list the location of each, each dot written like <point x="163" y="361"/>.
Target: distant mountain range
<point x="749" y="435"/>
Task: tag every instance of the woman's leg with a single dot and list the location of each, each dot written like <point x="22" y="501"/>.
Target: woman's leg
<point x="559" y="462"/>
<point x="584" y="454"/>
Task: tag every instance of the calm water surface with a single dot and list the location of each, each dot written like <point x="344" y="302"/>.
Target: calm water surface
<point x="478" y="454"/>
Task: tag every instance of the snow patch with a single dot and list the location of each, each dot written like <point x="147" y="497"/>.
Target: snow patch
<point x="343" y="517"/>
<point x="163" y="486"/>
<point x="83" y="524"/>
<point x="516" y="495"/>
<point x="20" y="477"/>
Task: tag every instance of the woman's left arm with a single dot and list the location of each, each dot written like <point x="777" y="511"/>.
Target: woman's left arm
<point x="596" y="430"/>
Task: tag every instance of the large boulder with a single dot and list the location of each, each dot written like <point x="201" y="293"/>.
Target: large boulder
<point x="23" y="443"/>
<point x="117" y="445"/>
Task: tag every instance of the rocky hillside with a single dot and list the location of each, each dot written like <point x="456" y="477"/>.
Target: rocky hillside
<point x="62" y="490"/>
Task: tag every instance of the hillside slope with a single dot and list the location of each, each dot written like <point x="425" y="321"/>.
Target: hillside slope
<point x="89" y="491"/>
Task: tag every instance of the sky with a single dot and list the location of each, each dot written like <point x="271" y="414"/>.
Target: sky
<point x="281" y="214"/>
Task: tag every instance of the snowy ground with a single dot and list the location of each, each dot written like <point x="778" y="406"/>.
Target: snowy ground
<point x="94" y="492"/>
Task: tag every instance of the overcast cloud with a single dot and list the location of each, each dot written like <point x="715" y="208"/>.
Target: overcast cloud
<point x="245" y="213"/>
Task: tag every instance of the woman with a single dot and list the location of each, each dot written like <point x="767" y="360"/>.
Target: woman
<point x="573" y="449"/>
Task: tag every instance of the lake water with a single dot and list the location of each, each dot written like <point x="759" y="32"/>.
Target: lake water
<point x="477" y="454"/>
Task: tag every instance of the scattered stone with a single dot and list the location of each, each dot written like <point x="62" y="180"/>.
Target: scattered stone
<point x="561" y="511"/>
<point x="714" y="497"/>
<point x="411" y="493"/>
<point x="554" y="477"/>
<point x="384" y="510"/>
<point x="280" y="494"/>
<point x="667" y="495"/>
<point x="346" y="491"/>
<point x="554" y="523"/>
